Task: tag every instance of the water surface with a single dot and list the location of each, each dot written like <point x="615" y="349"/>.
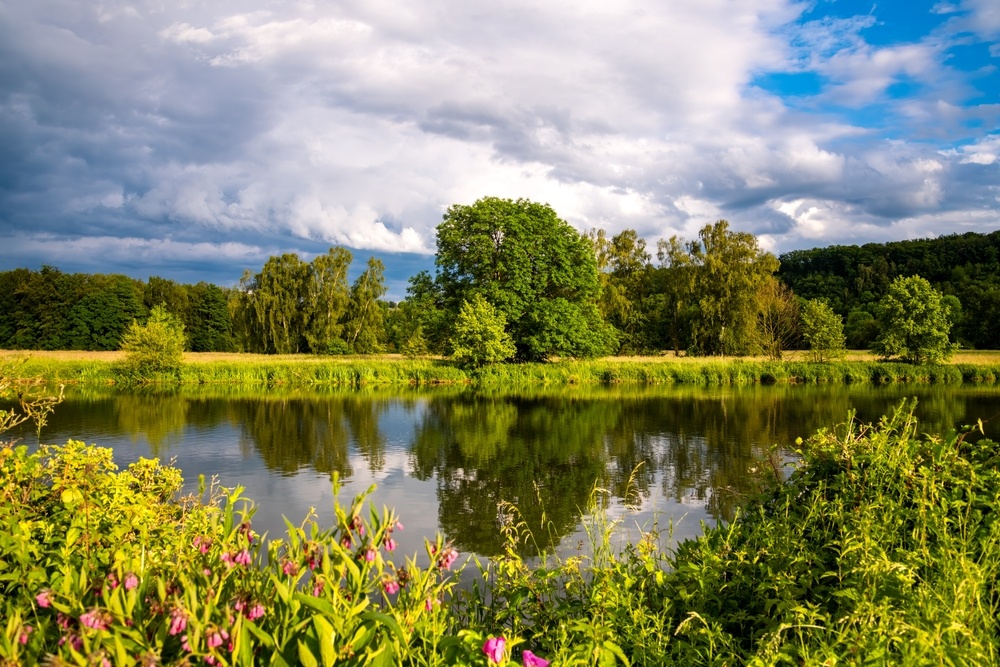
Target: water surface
<point x="448" y="458"/>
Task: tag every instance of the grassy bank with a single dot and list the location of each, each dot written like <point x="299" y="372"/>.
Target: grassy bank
<point x="882" y="548"/>
<point x="388" y="370"/>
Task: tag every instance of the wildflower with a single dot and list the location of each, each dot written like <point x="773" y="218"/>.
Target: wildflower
<point x="318" y="588"/>
<point x="358" y="525"/>
<point x="290" y="568"/>
<point x="74" y="640"/>
<point x="44" y="599"/>
<point x="216" y="638"/>
<point x="25" y="631"/>
<point x="255" y="612"/>
<point x="95" y="619"/>
<point x="447" y="558"/>
<point x="227" y="558"/>
<point x="131" y="581"/>
<point x="390" y="545"/>
<point x="202" y="544"/>
<point x="112" y="581"/>
<point x="391" y="586"/>
<point x="370" y="555"/>
<point x="185" y="644"/>
<point x="346" y="542"/>
<point x="529" y="659"/>
<point x="399" y="525"/>
<point x="178" y="621"/>
<point x="429" y="605"/>
<point x="243" y="558"/>
<point x="493" y="648"/>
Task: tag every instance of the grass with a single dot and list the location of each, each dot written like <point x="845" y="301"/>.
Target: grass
<point x="982" y="367"/>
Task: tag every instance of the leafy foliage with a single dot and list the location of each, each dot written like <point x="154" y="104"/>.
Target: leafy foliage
<point x="883" y="546"/>
<point x="721" y="275"/>
<point x="823" y="331"/>
<point x="153" y="348"/>
<point x="915" y="323"/>
<point x="526" y="262"/>
<point x="480" y="336"/>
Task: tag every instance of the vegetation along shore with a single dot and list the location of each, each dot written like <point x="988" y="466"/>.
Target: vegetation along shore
<point x="109" y="368"/>
<point x="882" y="547"/>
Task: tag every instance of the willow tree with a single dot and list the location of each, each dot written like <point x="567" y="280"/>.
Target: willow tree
<point x="292" y="306"/>
<point x="327" y="297"/>
<point x="364" y="319"/>
<point x="726" y="271"/>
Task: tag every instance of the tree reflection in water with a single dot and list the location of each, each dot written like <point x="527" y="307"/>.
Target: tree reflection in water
<point x="542" y="450"/>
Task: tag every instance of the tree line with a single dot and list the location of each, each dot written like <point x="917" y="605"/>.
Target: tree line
<point x="514" y="281"/>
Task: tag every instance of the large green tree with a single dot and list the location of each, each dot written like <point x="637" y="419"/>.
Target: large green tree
<point x="722" y="274"/>
<point x="534" y="268"/>
<point x="915" y="323"/>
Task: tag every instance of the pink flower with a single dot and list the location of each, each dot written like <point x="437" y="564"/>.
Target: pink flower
<point x="112" y="581"/>
<point x="255" y="612"/>
<point x="399" y="525"/>
<point x="529" y="659"/>
<point x="391" y="586"/>
<point x="493" y="648"/>
<point x="390" y="545"/>
<point x="25" y="631"/>
<point x="346" y="542"/>
<point x="202" y="544"/>
<point x="96" y="619"/>
<point x="290" y="568"/>
<point x="178" y="621"/>
<point x="429" y="604"/>
<point x="185" y="644"/>
<point x="44" y="599"/>
<point x="131" y="581"/>
<point x="317" y="588"/>
<point x="370" y="555"/>
<point x="243" y="558"/>
<point x="216" y="638"/>
<point x="447" y="558"/>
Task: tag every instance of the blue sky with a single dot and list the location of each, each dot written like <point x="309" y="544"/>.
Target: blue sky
<point x="193" y="139"/>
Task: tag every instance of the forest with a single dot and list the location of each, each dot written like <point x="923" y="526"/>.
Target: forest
<point x="514" y="281"/>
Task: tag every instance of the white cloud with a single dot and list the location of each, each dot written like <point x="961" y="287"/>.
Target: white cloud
<point x="359" y="123"/>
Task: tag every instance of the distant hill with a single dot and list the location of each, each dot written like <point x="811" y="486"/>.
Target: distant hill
<point x="854" y="278"/>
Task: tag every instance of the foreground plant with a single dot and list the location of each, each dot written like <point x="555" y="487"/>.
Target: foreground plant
<point x="883" y="547"/>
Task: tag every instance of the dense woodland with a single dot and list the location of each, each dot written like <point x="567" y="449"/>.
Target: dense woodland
<point x="515" y="269"/>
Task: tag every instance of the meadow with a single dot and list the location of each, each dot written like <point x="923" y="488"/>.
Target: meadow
<point x="387" y="370"/>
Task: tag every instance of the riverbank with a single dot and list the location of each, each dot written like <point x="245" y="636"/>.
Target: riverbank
<point x="974" y="367"/>
<point x="883" y="546"/>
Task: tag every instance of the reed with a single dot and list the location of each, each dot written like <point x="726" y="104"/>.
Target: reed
<point x="389" y="370"/>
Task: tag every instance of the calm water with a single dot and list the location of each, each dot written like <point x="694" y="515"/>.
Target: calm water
<point x="445" y="458"/>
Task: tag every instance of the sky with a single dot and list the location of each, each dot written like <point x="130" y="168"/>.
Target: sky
<point x="193" y="139"/>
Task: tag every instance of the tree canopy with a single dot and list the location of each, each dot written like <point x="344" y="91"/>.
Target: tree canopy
<point x="533" y="267"/>
<point x="915" y="322"/>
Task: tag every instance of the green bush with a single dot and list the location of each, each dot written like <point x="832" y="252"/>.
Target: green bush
<point x="155" y="348"/>
<point x="883" y="547"/>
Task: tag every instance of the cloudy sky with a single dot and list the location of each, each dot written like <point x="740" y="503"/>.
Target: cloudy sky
<point x="192" y="139"/>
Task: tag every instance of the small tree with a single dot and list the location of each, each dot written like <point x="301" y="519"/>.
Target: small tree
<point x="154" y="347"/>
<point x="823" y="330"/>
<point x="776" y="324"/>
<point x="480" y="334"/>
<point x="915" y="323"/>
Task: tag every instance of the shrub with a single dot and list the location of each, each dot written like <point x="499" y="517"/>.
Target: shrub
<point x="156" y="347"/>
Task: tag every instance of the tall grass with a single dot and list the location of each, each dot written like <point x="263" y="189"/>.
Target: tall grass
<point x="359" y="371"/>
